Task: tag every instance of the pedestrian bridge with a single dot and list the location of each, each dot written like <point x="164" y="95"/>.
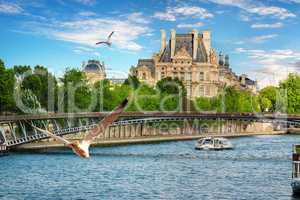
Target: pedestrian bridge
<point x="17" y="130"/>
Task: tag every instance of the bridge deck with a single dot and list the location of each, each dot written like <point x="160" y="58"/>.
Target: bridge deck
<point x="149" y="114"/>
<point x="45" y="145"/>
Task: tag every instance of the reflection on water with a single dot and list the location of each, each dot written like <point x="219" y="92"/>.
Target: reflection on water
<point x="258" y="168"/>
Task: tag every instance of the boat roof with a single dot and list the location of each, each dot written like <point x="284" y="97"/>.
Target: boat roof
<point x="217" y="138"/>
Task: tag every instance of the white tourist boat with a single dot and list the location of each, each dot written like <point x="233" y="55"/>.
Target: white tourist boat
<point x="210" y="143"/>
<point x="296" y="170"/>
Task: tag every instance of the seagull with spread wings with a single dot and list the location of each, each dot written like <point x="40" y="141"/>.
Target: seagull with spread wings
<point x="81" y="148"/>
<point x="108" y="40"/>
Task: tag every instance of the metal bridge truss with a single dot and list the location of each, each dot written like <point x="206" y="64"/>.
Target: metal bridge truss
<point x="21" y="132"/>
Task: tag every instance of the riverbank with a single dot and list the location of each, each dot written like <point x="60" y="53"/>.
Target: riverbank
<point x="140" y="140"/>
<point x="294" y="131"/>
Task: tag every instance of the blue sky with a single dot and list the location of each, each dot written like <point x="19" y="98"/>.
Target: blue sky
<point x="261" y="37"/>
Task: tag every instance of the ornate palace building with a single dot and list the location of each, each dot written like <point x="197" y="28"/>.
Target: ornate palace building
<point x="94" y="71"/>
<point x="191" y="58"/>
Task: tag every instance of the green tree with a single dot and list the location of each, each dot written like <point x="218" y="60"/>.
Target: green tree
<point x="145" y="98"/>
<point x="77" y="94"/>
<point x="203" y="104"/>
<point x="265" y="104"/>
<point x="268" y="98"/>
<point x="109" y="95"/>
<point x="291" y="89"/>
<point x="132" y="81"/>
<point x="7" y="82"/>
<point x="170" y="86"/>
<point x="172" y="94"/>
<point x="22" y="69"/>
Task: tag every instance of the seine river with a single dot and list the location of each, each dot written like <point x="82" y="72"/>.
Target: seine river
<point x="258" y="168"/>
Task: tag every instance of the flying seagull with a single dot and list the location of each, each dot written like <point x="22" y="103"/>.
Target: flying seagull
<point x="107" y="42"/>
<point x="81" y="148"/>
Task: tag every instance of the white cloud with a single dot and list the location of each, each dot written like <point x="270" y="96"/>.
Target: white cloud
<point x="263" y="38"/>
<point x="257" y="8"/>
<point x="271" y="66"/>
<point x="278" y="12"/>
<point x="88" y="31"/>
<point x="245" y="18"/>
<point x="10" y="8"/>
<point x="199" y="24"/>
<point x="137" y="17"/>
<point x="166" y="16"/>
<point x="266" y="26"/>
<point x="87" y="13"/>
<point x="193" y="11"/>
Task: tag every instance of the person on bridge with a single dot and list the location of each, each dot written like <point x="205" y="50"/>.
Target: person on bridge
<point x="81" y="148"/>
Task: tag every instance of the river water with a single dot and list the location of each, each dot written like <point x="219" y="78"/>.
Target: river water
<point x="258" y="168"/>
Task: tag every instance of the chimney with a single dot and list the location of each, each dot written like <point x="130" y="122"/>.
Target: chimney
<point x="163" y="40"/>
<point x="221" y="59"/>
<point x="173" y="42"/>
<point x="207" y="41"/>
<point x="243" y="81"/>
<point x="195" y="43"/>
<point x="227" y="61"/>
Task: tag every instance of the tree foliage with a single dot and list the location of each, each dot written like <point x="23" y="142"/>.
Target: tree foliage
<point x="40" y="90"/>
<point x="268" y="98"/>
<point x="132" y="81"/>
<point x="290" y="88"/>
<point x="7" y="82"/>
<point x="230" y="100"/>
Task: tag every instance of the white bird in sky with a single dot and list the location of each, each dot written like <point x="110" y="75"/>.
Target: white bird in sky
<point x="108" y="40"/>
<point x="81" y="148"/>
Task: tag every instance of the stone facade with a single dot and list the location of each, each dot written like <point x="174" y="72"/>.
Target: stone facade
<point x="190" y="58"/>
<point x="94" y="71"/>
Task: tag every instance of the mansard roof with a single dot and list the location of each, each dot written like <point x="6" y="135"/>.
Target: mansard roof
<point x="146" y="62"/>
<point x="149" y="63"/>
<point x="185" y="40"/>
<point x="249" y="81"/>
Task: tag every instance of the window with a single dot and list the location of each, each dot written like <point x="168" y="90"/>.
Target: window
<point x="162" y="68"/>
<point x="201" y="76"/>
<point x="207" y="92"/>
<point x="144" y="75"/>
<point x="174" y="74"/>
<point x="201" y="90"/>
<point x="189" y="76"/>
<point x="207" y="77"/>
<point x="182" y="76"/>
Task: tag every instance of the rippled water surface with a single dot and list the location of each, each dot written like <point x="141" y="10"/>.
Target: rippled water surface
<point x="258" y="168"/>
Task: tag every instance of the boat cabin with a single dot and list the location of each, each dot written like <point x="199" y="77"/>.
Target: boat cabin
<point x="296" y="161"/>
